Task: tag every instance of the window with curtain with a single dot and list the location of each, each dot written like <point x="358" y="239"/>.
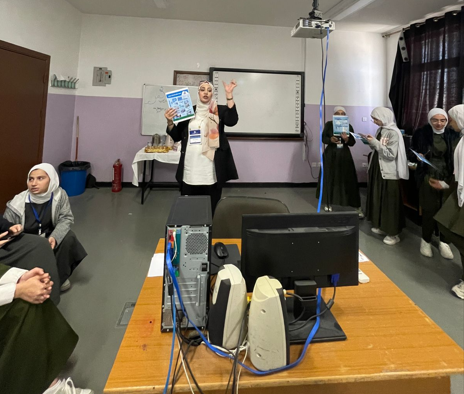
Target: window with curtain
<point x="433" y="74"/>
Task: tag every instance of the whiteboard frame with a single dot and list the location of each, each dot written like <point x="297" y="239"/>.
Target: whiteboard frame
<point x="268" y="136"/>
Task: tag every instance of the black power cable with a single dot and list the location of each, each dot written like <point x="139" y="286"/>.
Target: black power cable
<point x="329" y="306"/>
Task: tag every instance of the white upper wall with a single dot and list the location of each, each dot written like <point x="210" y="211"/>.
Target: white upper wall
<point x="355" y="71"/>
<point x="52" y="27"/>
<point x="142" y="50"/>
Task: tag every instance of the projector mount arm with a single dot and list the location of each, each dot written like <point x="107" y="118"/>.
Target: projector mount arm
<point x="315" y="13"/>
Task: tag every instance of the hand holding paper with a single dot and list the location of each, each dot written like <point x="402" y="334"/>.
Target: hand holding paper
<point x="362" y="137"/>
<point x="422" y="158"/>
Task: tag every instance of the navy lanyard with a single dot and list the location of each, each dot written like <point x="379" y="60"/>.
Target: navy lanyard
<point x="37" y="218"/>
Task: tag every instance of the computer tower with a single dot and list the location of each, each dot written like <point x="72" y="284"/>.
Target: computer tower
<point x="188" y="232"/>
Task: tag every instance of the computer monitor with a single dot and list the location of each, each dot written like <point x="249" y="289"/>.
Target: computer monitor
<point x="292" y="247"/>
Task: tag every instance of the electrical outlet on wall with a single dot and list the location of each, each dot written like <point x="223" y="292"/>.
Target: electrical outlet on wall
<point x="364" y="119"/>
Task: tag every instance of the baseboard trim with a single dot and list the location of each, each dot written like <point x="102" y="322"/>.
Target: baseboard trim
<point x="175" y="185"/>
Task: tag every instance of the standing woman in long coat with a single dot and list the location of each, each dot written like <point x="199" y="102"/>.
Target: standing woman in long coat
<point x="387" y="166"/>
<point x="450" y="217"/>
<point x="340" y="178"/>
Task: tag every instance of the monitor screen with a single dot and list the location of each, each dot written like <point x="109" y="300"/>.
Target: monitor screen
<point x="311" y="246"/>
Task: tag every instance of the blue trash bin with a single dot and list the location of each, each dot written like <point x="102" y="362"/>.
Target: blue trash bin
<point x="73" y="176"/>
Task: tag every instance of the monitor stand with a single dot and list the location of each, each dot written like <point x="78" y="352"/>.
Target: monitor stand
<point x="329" y="329"/>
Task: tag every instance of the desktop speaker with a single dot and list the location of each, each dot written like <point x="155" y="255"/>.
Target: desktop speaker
<point x="268" y="325"/>
<point x="227" y="308"/>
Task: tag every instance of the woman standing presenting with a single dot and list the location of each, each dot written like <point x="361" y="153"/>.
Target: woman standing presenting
<point x="387" y="166"/>
<point x="340" y="179"/>
<point x="450" y="217"/>
<point x="436" y="143"/>
<point x="206" y="161"/>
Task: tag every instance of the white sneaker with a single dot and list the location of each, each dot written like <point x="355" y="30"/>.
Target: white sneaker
<point x="426" y="249"/>
<point x="65" y="286"/>
<point x="459" y="289"/>
<point x="377" y="231"/>
<point x="391" y="240"/>
<point x="360" y="213"/>
<point x="445" y="251"/>
<point x="66" y="387"/>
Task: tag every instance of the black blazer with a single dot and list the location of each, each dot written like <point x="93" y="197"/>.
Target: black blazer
<point x="223" y="159"/>
<point x="422" y="142"/>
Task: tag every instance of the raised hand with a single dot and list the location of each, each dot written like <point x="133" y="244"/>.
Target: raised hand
<point x="229" y="88"/>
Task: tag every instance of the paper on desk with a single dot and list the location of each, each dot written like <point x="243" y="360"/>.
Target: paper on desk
<point x="362" y="257"/>
<point x="156" y="265"/>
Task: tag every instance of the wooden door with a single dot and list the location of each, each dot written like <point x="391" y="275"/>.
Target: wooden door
<point x="23" y="101"/>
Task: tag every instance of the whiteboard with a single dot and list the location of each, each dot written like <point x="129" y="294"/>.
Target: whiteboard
<point x="154" y="104"/>
<point x="269" y="103"/>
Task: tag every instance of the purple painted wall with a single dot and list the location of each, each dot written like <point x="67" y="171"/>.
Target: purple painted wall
<point x="58" y="128"/>
<point x="110" y="129"/>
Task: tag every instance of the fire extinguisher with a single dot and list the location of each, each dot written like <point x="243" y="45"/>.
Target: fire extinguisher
<point x="117" y="177"/>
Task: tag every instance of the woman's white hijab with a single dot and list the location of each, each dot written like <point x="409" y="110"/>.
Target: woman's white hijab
<point x="387" y="118"/>
<point x="432" y="113"/>
<point x="52" y="187"/>
<point x="206" y="112"/>
<point x="336" y="109"/>
<point x="457" y="113"/>
<point x="203" y="108"/>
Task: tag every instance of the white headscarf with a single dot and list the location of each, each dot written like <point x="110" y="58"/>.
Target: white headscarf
<point x="457" y="113"/>
<point x="387" y="118"/>
<point x="432" y="113"/>
<point x="203" y="108"/>
<point x="206" y="114"/>
<point x="52" y="187"/>
<point x="336" y="109"/>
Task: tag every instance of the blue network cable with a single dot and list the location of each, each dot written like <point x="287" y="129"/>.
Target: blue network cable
<point x="321" y="145"/>
<point x="173" y="330"/>
<point x="221" y="353"/>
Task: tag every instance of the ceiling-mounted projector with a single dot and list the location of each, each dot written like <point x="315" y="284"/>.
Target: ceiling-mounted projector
<point x="312" y="28"/>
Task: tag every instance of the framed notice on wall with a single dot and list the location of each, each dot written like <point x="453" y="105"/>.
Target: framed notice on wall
<point x="189" y="78"/>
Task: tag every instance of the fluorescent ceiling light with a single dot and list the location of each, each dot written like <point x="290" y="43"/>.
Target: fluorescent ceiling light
<point x="346" y="8"/>
<point x="161" y="3"/>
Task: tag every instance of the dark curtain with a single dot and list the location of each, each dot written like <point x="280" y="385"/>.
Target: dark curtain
<point x="433" y="76"/>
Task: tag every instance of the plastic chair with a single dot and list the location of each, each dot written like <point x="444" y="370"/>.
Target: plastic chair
<point x="227" y="221"/>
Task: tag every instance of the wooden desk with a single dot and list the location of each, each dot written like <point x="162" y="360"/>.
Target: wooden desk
<point x="392" y="347"/>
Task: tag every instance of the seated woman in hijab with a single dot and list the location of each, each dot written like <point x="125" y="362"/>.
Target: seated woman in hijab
<point x="450" y="217"/>
<point x="340" y="179"/>
<point x="387" y="166"/>
<point x="36" y="341"/>
<point x="436" y="143"/>
<point x="44" y="210"/>
<point x="206" y="163"/>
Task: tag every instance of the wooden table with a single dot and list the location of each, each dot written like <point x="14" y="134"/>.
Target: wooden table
<point x="392" y="347"/>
